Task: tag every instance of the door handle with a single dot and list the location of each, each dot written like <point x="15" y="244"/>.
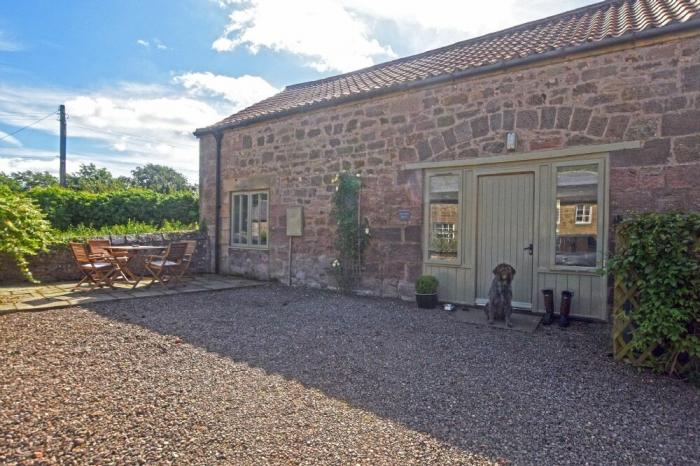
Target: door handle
<point x="530" y="249"/>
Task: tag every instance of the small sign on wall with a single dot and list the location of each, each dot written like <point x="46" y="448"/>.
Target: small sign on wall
<point x="295" y="221"/>
<point x="404" y="215"/>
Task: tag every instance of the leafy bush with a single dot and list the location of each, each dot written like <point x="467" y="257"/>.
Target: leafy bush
<point x="23" y="229"/>
<point x="130" y="228"/>
<point x="427" y="284"/>
<point x="659" y="256"/>
<point x="65" y="208"/>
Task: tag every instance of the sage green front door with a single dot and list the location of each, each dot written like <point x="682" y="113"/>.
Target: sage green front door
<point x="505" y="218"/>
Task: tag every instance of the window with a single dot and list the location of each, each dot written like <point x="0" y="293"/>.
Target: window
<point x="443" y="199"/>
<point x="583" y="214"/>
<point x="445" y="230"/>
<point x="577" y="203"/>
<point x="249" y="219"/>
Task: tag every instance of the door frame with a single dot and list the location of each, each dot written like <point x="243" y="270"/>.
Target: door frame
<point x="504" y="171"/>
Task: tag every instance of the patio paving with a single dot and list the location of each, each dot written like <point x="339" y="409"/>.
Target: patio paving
<point x="57" y="295"/>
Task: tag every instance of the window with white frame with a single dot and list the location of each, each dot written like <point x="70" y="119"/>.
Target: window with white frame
<point x="583" y="214"/>
<point x="445" y="230"/>
<point x="249" y="219"/>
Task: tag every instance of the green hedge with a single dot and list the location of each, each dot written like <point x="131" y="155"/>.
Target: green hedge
<point x="65" y="208"/>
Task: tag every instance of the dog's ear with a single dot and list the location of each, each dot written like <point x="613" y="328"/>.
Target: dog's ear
<point x="512" y="270"/>
<point x="496" y="269"/>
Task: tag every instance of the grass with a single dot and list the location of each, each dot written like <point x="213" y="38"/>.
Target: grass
<point x="85" y="231"/>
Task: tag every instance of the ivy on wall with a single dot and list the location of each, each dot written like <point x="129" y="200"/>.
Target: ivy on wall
<point x="658" y="255"/>
<point x="352" y="234"/>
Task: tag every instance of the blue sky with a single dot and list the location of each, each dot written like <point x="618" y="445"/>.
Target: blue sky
<point x="137" y="77"/>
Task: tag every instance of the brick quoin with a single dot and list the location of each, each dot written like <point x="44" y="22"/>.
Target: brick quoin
<point x="648" y="93"/>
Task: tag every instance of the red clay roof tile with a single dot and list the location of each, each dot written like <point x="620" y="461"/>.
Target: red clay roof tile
<point x="591" y="24"/>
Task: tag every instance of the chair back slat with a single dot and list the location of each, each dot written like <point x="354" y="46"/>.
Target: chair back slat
<point x="176" y="251"/>
<point x="80" y="253"/>
<point x="98" y="246"/>
<point x="191" y="247"/>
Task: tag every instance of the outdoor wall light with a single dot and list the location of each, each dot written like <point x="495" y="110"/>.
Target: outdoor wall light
<point x="511" y="141"/>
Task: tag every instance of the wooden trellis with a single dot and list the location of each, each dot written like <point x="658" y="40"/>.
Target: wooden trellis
<point x="625" y="302"/>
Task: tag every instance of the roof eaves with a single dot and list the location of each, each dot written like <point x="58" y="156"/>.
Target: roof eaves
<point x="459" y="74"/>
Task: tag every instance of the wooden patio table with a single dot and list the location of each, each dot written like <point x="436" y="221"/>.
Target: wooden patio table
<point x="136" y="257"/>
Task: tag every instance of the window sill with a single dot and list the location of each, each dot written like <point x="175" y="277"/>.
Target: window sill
<point x="574" y="269"/>
<point x="249" y="247"/>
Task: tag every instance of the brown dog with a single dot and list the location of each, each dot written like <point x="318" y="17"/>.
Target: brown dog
<point x="501" y="294"/>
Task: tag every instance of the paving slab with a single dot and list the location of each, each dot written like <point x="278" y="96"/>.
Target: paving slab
<point x="59" y="295"/>
<point x="475" y="316"/>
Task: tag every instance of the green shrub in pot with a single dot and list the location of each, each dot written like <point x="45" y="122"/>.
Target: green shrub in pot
<point x="426" y="291"/>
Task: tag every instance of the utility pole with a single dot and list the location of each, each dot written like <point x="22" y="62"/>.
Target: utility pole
<point x="62" y="156"/>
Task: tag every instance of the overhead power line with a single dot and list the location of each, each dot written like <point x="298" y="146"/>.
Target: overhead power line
<point x="28" y="126"/>
<point x="133" y="136"/>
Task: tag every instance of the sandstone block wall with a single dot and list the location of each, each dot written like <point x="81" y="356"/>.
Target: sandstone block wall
<point x="649" y="93"/>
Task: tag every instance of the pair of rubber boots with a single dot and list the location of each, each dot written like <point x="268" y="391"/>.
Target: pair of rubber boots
<point x="564" y="308"/>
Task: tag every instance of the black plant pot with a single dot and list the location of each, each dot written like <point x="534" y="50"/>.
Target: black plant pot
<point x="427" y="301"/>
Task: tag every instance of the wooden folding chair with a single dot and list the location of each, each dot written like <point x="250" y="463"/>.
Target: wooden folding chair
<point x="96" y="271"/>
<point x="189" y="257"/>
<point x="166" y="268"/>
<point x="99" y="249"/>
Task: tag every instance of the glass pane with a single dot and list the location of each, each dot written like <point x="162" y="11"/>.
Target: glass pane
<point x="444" y="217"/>
<point x="255" y="219"/>
<point x="236" y="221"/>
<point x="577" y="215"/>
<point x="243" y="219"/>
<point x="263" y="219"/>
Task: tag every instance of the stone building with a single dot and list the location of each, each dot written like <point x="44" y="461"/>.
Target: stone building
<point x="522" y="146"/>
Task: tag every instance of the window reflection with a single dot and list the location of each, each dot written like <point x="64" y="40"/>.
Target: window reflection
<point x="577" y="215"/>
<point x="444" y="217"/>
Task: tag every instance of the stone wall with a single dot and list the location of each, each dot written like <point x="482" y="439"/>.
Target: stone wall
<point x="58" y="265"/>
<point x="649" y="93"/>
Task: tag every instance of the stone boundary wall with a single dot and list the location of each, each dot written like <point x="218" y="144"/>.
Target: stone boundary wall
<point x="649" y="93"/>
<point x="58" y="265"/>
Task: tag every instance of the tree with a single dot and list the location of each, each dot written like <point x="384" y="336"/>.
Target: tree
<point x="159" y="178"/>
<point x="93" y="179"/>
<point x="30" y="179"/>
<point x="9" y="182"/>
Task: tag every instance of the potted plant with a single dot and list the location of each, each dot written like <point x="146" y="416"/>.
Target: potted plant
<point x="426" y="292"/>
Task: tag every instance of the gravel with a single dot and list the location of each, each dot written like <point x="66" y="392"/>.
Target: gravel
<point x="273" y="375"/>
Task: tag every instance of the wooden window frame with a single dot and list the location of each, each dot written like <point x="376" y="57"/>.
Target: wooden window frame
<point x="249" y="224"/>
<point x="459" y="234"/>
<point x="602" y="203"/>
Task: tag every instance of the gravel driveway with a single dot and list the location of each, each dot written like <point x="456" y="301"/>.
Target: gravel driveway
<point x="294" y="376"/>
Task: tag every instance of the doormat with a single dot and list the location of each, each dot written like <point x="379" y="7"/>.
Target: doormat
<point x="521" y="322"/>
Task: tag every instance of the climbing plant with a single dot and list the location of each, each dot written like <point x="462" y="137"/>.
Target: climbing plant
<point x="352" y="234"/>
<point x="658" y="255"/>
<point x="23" y="229"/>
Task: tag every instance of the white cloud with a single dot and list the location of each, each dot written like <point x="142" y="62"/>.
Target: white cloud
<point x="129" y="124"/>
<point x="322" y="31"/>
<point x="242" y="91"/>
<point x="157" y="43"/>
<point x="8" y="45"/>
<point x="7" y="139"/>
<point x="343" y="35"/>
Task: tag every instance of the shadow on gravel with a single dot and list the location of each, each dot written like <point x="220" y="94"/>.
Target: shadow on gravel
<point x="551" y="397"/>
